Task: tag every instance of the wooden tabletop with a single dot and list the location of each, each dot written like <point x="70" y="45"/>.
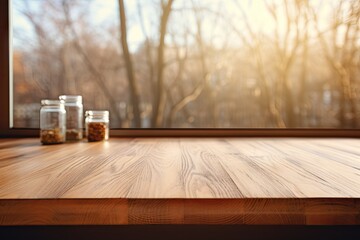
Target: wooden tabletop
<point x="181" y="180"/>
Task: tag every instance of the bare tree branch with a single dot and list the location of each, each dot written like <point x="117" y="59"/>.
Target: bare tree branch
<point x="159" y="103"/>
<point x="98" y="76"/>
<point x="134" y="93"/>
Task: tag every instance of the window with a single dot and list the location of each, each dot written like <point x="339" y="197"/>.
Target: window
<point x="191" y="64"/>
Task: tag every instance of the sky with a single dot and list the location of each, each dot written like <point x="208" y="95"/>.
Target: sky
<point x="102" y="12"/>
<point x="105" y="12"/>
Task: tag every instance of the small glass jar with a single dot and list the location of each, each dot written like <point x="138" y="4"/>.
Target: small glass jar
<point x="52" y="122"/>
<point x="74" y="117"/>
<point x="97" y="125"/>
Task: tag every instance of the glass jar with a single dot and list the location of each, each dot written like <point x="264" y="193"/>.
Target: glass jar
<point x="74" y="117"/>
<point x="97" y="125"/>
<point x="52" y="122"/>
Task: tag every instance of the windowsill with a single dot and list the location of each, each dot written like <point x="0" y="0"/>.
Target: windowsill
<point x="123" y="181"/>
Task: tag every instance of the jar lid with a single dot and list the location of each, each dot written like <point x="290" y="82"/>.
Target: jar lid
<point x="97" y="113"/>
<point x="71" y="98"/>
<point x="52" y="102"/>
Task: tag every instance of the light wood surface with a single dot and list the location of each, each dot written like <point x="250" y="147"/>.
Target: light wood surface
<point x="181" y="181"/>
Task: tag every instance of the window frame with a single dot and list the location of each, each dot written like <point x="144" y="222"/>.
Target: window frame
<point x="6" y="130"/>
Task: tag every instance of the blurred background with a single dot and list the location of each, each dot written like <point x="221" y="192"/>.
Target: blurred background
<point x="191" y="63"/>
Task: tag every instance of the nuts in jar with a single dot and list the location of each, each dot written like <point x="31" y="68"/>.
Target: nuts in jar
<point x="73" y="134"/>
<point x="52" y="122"/>
<point x="53" y="136"/>
<point x="97" y="125"/>
<point x="74" y="116"/>
<point x="96" y="131"/>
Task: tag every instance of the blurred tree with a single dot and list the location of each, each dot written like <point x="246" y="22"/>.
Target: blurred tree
<point x="134" y="93"/>
<point x="341" y="49"/>
<point x="196" y="63"/>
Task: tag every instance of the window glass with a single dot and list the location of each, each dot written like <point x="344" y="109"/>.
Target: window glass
<point x="191" y="64"/>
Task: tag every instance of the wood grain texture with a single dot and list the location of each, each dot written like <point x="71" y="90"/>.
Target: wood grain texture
<point x="214" y="211"/>
<point x="179" y="211"/>
<point x="181" y="181"/>
<point x="156" y="211"/>
<point x="64" y="211"/>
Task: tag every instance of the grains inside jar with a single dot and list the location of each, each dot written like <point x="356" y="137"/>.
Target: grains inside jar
<point x="96" y="131"/>
<point x="51" y="136"/>
<point x="73" y="134"/>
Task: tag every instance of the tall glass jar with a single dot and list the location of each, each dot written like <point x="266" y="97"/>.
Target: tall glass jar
<point x="52" y="122"/>
<point x="74" y="117"/>
<point x="97" y="125"/>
